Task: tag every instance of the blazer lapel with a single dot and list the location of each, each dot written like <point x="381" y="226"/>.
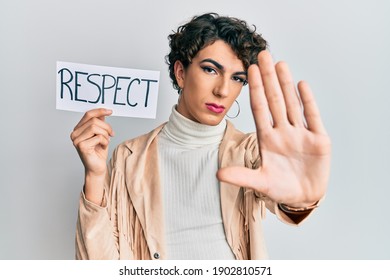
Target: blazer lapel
<point x="229" y="192"/>
<point x="144" y="188"/>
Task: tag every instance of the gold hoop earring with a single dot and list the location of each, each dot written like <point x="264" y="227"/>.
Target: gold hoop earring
<point x="238" y="112"/>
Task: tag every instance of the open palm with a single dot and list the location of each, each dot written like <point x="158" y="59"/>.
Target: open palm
<point x="294" y="146"/>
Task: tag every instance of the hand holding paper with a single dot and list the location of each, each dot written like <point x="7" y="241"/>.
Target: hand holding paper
<point x="91" y="137"/>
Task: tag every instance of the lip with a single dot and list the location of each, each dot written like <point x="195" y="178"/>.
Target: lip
<point x="215" y="108"/>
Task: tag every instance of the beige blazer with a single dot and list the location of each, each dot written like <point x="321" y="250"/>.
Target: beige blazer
<point x="131" y="224"/>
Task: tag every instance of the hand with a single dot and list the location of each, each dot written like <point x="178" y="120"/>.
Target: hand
<point x="91" y="137"/>
<point x="294" y="146"/>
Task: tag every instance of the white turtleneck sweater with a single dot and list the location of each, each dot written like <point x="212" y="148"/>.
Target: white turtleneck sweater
<point x="188" y="155"/>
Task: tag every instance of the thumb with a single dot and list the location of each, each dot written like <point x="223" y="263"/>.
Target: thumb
<point x="243" y="177"/>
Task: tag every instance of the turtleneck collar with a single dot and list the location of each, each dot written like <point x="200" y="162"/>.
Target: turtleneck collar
<point x="186" y="132"/>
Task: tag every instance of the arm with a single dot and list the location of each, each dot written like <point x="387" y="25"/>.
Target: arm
<point x="95" y="233"/>
<point x="91" y="138"/>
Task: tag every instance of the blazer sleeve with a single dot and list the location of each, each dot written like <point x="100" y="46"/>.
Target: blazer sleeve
<point x="96" y="229"/>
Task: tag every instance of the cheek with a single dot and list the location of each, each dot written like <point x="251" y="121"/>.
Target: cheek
<point x="193" y="87"/>
<point x="236" y="92"/>
<point x="199" y="90"/>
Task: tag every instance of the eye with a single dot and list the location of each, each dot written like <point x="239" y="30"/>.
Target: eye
<point x="241" y="80"/>
<point x="209" y="70"/>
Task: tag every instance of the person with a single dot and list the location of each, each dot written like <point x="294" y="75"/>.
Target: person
<point x="196" y="187"/>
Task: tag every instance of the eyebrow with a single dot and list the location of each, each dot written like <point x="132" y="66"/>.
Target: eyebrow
<point x="221" y="67"/>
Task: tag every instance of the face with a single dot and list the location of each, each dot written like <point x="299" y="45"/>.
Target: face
<point x="210" y="84"/>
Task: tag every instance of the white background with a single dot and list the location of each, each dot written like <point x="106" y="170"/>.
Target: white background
<point x="340" y="47"/>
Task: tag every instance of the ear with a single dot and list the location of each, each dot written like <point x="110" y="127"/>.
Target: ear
<point x="179" y="73"/>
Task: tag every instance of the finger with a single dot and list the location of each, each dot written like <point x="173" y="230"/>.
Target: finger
<point x="291" y="98"/>
<point x="90" y="132"/>
<point x="93" y="142"/>
<point x="310" y="109"/>
<point x="258" y="100"/>
<point x="272" y="89"/>
<point x="94" y="113"/>
<point x="92" y="122"/>
<point x="243" y="177"/>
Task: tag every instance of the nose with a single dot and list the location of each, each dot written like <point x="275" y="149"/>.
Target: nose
<point x="221" y="88"/>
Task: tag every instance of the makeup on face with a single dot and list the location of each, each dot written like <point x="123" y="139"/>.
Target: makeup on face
<point x="215" y="108"/>
<point x="210" y="83"/>
<point x="239" y="76"/>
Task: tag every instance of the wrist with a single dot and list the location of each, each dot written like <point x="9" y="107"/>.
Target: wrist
<point x="94" y="188"/>
<point x="297" y="209"/>
<point x="101" y="173"/>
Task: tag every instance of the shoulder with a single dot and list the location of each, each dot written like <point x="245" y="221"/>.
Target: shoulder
<point x="236" y="138"/>
<point x="238" y="146"/>
<point x="135" y="146"/>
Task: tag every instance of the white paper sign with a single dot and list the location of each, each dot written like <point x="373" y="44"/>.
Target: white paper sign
<point x="128" y="92"/>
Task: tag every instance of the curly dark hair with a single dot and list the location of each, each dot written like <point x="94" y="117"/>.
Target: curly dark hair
<point x="204" y="30"/>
